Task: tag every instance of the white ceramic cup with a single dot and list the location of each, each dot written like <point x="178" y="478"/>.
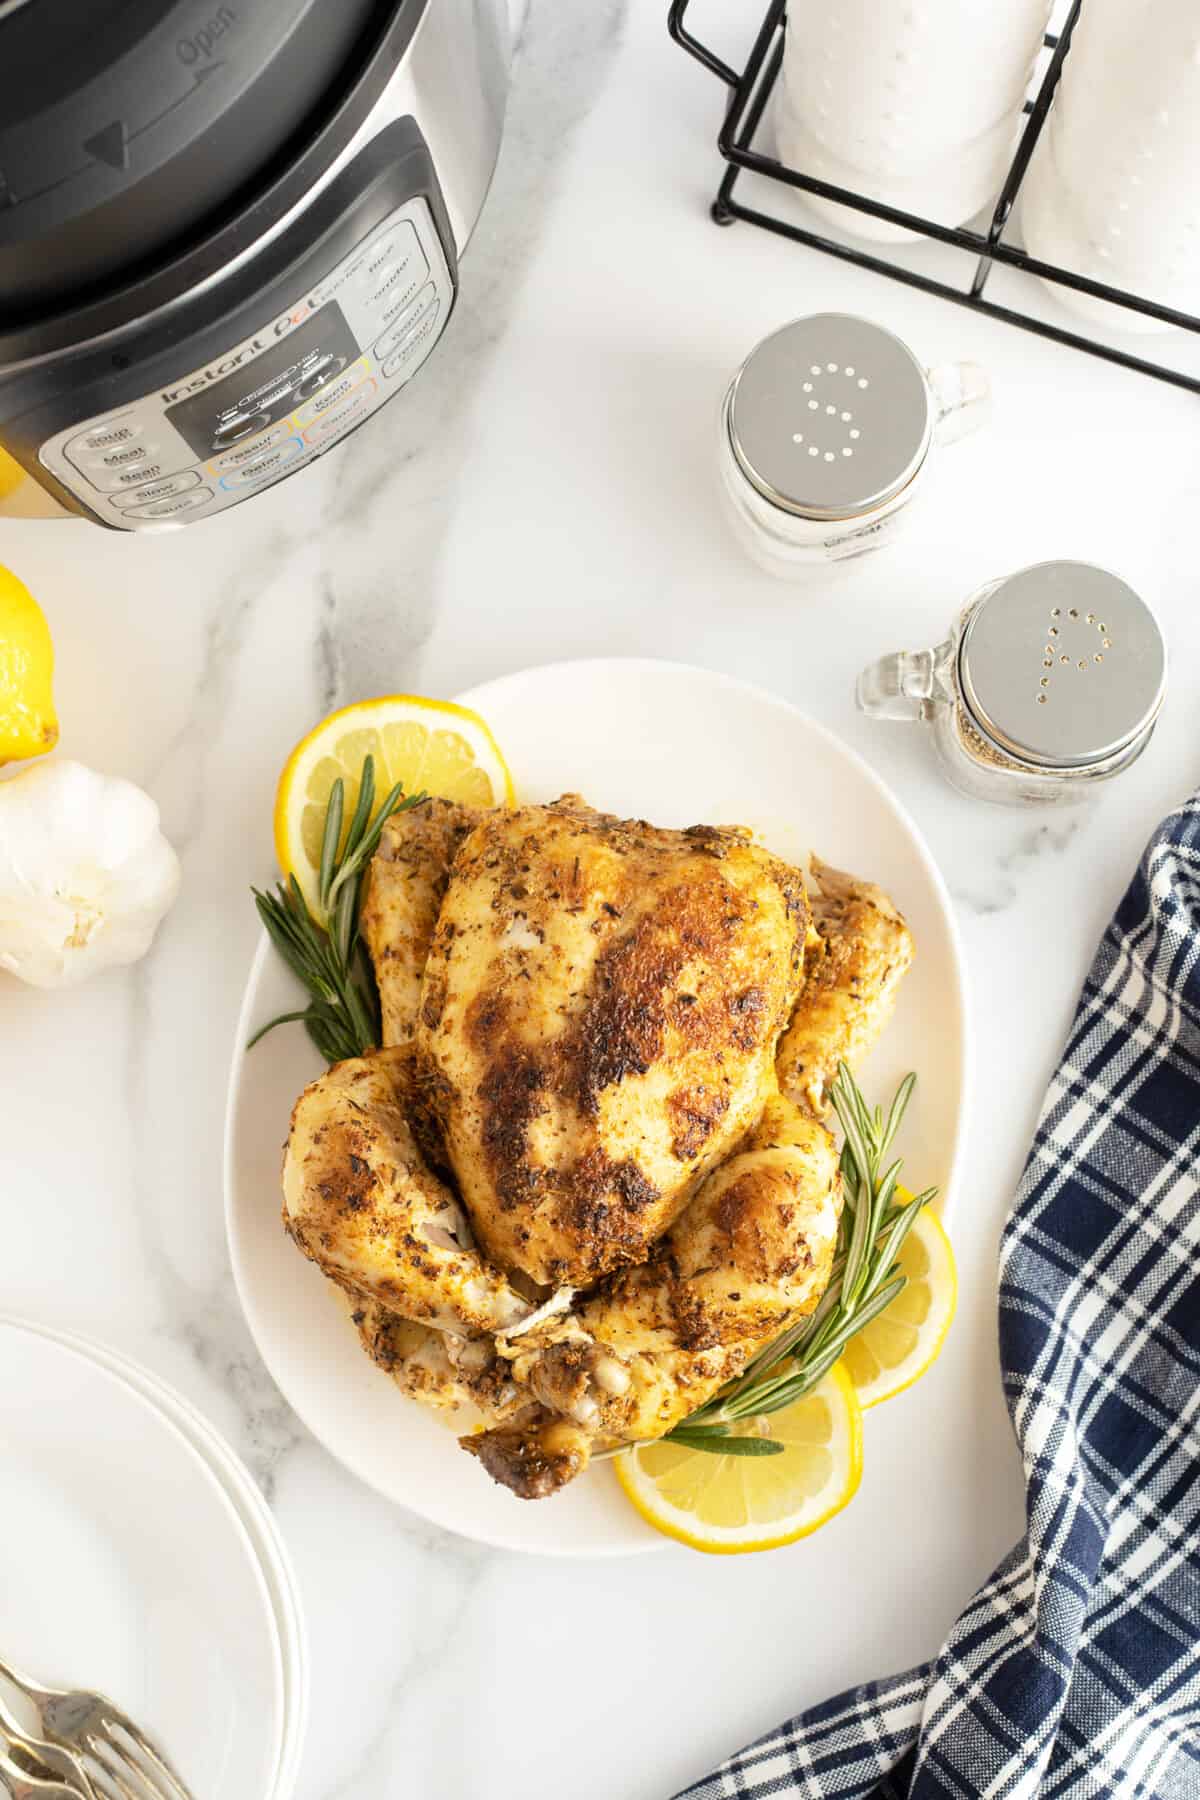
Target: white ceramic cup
<point x="915" y="103"/>
<point x="1113" y="191"/>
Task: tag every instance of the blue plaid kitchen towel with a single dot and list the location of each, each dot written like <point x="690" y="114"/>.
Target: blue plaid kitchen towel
<point x="1075" y="1671"/>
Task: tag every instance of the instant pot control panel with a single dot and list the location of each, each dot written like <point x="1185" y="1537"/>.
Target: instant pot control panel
<point x="217" y="434"/>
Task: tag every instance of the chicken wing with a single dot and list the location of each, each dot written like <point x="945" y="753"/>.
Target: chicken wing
<point x="850" y="985"/>
<point x="404" y="889"/>
<point x="362" y="1203"/>
<point x="599" y="1015"/>
<point x="748" y="1259"/>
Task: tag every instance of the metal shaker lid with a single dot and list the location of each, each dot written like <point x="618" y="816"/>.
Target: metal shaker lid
<point x="1063" y="665"/>
<point x="830" y="416"/>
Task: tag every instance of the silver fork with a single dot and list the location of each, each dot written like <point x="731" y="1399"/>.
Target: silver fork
<point x="18" y="1784"/>
<point x="88" y="1726"/>
<point x="50" y="1759"/>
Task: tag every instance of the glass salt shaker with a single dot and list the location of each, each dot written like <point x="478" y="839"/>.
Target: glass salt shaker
<point x="825" y="439"/>
<point x="1051" y="679"/>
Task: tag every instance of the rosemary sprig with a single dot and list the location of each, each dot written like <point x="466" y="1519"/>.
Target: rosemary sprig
<point x="864" y="1281"/>
<point x="323" y="947"/>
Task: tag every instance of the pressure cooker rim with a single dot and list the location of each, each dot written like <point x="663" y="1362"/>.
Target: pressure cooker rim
<point x="120" y="306"/>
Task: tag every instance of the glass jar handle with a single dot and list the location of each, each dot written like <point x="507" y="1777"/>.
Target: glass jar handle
<point x="962" y="399"/>
<point x="906" y="684"/>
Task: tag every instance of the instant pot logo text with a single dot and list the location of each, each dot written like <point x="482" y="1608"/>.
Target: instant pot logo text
<point x="203" y="378"/>
<point x="199" y="46"/>
<point x="215" y="371"/>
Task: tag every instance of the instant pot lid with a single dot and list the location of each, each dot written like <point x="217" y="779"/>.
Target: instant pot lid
<point x="127" y="125"/>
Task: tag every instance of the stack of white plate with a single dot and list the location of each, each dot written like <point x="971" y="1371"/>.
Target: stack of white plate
<point x="140" y="1559"/>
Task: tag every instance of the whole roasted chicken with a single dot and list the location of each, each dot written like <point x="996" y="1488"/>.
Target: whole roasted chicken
<point x="585" y="1178"/>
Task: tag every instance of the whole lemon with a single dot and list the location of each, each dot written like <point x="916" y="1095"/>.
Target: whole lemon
<point x="11" y="474"/>
<point x="28" y="723"/>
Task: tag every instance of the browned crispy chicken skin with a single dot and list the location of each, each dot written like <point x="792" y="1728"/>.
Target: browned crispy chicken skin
<point x="850" y="986"/>
<point x="748" y="1258"/>
<point x="404" y="891"/>
<point x="360" y="1200"/>
<point x="579" y="1192"/>
<point x="447" y="1373"/>
<point x="599" y="1014"/>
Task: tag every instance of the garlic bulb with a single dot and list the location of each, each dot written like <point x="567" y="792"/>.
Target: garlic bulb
<point x="85" y="873"/>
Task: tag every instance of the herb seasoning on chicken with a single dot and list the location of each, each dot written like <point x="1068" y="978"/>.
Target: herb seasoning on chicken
<point x="575" y="1191"/>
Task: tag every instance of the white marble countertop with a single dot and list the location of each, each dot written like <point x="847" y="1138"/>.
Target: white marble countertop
<point x="546" y="490"/>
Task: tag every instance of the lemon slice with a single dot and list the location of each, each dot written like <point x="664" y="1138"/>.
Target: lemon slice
<point x="727" y="1504"/>
<point x="895" y="1349"/>
<point x="425" y="744"/>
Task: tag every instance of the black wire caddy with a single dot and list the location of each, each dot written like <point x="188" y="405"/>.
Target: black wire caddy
<point x="751" y="89"/>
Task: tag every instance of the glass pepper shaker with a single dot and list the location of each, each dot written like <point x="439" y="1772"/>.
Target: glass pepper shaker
<point x="825" y="438"/>
<point x="1051" y="679"/>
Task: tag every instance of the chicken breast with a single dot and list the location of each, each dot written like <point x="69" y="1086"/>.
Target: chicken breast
<point x="599" y="1015"/>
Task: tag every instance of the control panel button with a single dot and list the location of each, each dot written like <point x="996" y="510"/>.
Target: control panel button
<point x="408" y="317"/>
<point x="397" y="241"/>
<point x="415" y="339"/>
<point x="167" y="509"/>
<point x="140" y="450"/>
<point x="148" y="468"/>
<point x="334" y="393"/>
<point x="157" y="490"/>
<point x="354" y="409"/>
<point x="398" y="302"/>
<point x="249" y="448"/>
<point x="390" y="279"/>
<point x="232" y="431"/>
<point x="392" y="246"/>
<point x="118" y="446"/>
<point x="105" y="436"/>
<point x="394" y="289"/>
<point x="99" y="466"/>
<point x="320" y="377"/>
<point x="265" y="464"/>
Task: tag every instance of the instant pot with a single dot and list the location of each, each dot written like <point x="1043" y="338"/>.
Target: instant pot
<point x="229" y="233"/>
